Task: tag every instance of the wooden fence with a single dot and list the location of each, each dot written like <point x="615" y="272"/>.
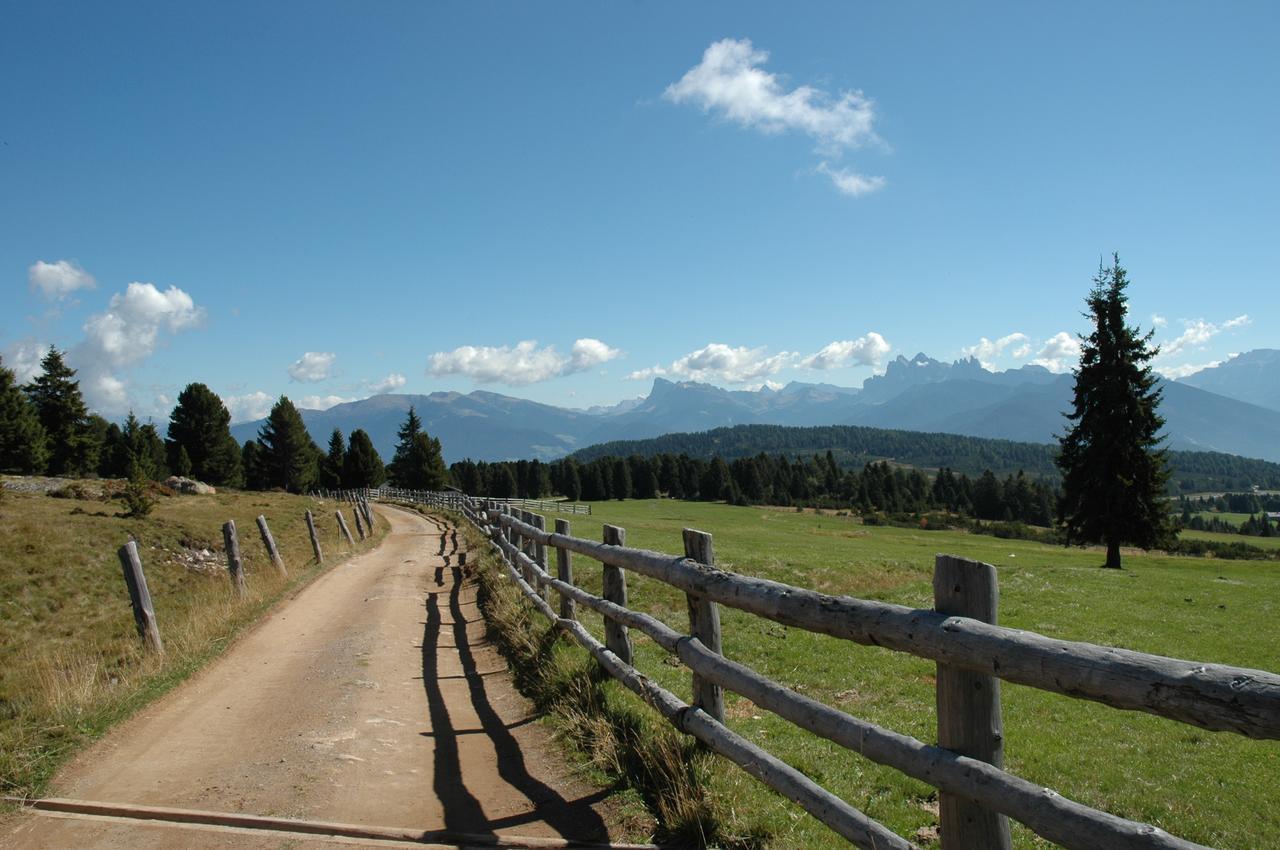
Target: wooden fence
<point x="973" y="653"/>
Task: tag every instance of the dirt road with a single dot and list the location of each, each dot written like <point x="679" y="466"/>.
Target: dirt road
<point x="372" y="698"/>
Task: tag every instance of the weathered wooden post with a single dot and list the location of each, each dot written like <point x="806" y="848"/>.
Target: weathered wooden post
<point x="368" y="516"/>
<point x="969" y="719"/>
<point x="342" y="526"/>
<point x="270" y="543"/>
<point x="564" y="572"/>
<point x="704" y="624"/>
<point x="355" y="512"/>
<point x="235" y="566"/>
<point x="615" y="590"/>
<point x="539" y="522"/>
<point x="144" y="614"/>
<point x="315" y="538"/>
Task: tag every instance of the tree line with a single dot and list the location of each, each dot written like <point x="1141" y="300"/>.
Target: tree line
<point x="46" y="429"/>
<point x="814" y="481"/>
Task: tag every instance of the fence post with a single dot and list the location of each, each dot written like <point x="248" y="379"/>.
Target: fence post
<point x="342" y="526"/>
<point x="235" y="566"/>
<point x="539" y="522"/>
<point x="704" y="624"/>
<point x="355" y="512"/>
<point x="144" y="615"/>
<point x="969" y="719"/>
<point x="564" y="572"/>
<point x="615" y="590"/>
<point x="270" y="543"/>
<point x="315" y="538"/>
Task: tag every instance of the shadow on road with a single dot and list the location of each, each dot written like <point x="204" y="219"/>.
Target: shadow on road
<point x="463" y="813"/>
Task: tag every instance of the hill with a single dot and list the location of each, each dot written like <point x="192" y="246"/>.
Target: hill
<point x="1253" y="376"/>
<point x="857" y="445"/>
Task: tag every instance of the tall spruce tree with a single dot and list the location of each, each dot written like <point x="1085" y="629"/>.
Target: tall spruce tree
<point x="419" y="461"/>
<point x="55" y="394"/>
<point x="1114" y="470"/>
<point x="200" y="424"/>
<point x="361" y="467"/>
<point x="331" y="465"/>
<point x="22" y="439"/>
<point x="290" y="460"/>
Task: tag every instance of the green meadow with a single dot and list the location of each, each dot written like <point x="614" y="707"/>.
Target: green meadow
<point x="1214" y="788"/>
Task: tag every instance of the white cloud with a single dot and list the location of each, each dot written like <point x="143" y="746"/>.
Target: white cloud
<point x="248" y="407"/>
<point x="720" y="362"/>
<point x="320" y="402"/>
<point x="127" y="333"/>
<point x="58" y="279"/>
<point x="394" y="381"/>
<point x="524" y="363"/>
<point x="864" y="351"/>
<point x="1175" y="372"/>
<point x="1059" y="353"/>
<point x="1198" y="332"/>
<point x="849" y="182"/>
<point x="729" y="81"/>
<point x="24" y="357"/>
<point x="312" y="366"/>
<point x="987" y="350"/>
<point x="1158" y="321"/>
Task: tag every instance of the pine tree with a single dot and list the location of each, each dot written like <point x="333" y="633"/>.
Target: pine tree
<point x="331" y="466"/>
<point x="55" y="395"/>
<point x="22" y="438"/>
<point x="289" y="457"/>
<point x="419" y="460"/>
<point x="200" y="423"/>
<point x="361" y="466"/>
<point x="253" y="464"/>
<point x="1114" y="470"/>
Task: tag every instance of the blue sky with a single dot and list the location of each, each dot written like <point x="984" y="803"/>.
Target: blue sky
<point x="326" y="200"/>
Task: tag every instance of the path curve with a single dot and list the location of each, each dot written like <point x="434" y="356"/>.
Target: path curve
<point x="371" y="697"/>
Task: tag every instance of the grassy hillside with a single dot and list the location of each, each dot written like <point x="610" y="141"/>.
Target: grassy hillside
<point x="1214" y="788"/>
<point x="70" y="660"/>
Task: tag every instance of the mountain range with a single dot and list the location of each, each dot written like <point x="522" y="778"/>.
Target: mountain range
<point x="1233" y="408"/>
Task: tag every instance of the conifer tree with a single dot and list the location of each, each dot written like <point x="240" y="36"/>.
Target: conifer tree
<point x="331" y="465"/>
<point x="361" y="467"/>
<point x="55" y="395"/>
<point x="200" y="424"/>
<point x="251" y="462"/>
<point x="1114" y="469"/>
<point x="419" y="460"/>
<point x="289" y="457"/>
<point x="22" y="438"/>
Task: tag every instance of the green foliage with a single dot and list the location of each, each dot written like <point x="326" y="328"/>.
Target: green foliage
<point x="1114" y="471"/>
<point x="136" y="496"/>
<point x="419" y="462"/>
<point x="254" y="466"/>
<point x="200" y="425"/>
<point x="179" y="460"/>
<point x="22" y="438"/>
<point x="331" y="465"/>
<point x="290" y="458"/>
<point x="361" y="466"/>
<point x="55" y="395"/>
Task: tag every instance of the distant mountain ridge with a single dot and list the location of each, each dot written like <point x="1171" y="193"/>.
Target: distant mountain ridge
<point x="916" y="394"/>
<point x="1253" y="377"/>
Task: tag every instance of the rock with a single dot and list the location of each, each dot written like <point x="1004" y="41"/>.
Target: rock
<point x="189" y="486"/>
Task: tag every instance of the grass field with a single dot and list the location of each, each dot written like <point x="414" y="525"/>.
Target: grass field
<point x="70" y="660"/>
<point x="1234" y="519"/>
<point x="1214" y="788"/>
<point x="1218" y="537"/>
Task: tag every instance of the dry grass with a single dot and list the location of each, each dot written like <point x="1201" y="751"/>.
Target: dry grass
<point x="71" y="663"/>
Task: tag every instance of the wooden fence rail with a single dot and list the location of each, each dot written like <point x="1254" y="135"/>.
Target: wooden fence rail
<point x="1210" y="696"/>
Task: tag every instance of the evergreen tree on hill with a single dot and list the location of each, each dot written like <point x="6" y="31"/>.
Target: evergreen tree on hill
<point x="200" y="424"/>
<point x="419" y="461"/>
<point x="55" y="395"/>
<point x="331" y="466"/>
<point x="361" y="466"/>
<point x="22" y="437"/>
<point x="290" y="460"/>
<point x="1114" y="470"/>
